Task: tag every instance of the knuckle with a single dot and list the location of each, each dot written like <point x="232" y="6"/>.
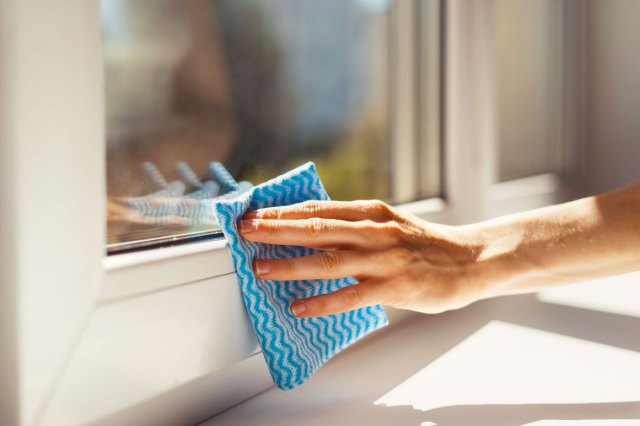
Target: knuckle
<point x="317" y="305"/>
<point x="392" y="232"/>
<point x="395" y="294"/>
<point x="382" y="209"/>
<point x="403" y="255"/>
<point x="315" y="226"/>
<point x="273" y="213"/>
<point x="352" y="297"/>
<point x="310" y="207"/>
<point x="321" y="305"/>
<point x="268" y="214"/>
<point x="268" y="226"/>
<point x="287" y="266"/>
<point x="331" y="261"/>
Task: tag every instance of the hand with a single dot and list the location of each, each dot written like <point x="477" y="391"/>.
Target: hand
<point x="398" y="259"/>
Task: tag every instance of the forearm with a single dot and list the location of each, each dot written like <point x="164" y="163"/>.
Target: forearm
<point x="405" y="262"/>
<point x="582" y="239"/>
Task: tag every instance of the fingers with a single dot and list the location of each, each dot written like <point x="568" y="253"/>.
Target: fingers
<point x="343" y="300"/>
<point x="320" y="233"/>
<point x="374" y="210"/>
<point x="325" y="265"/>
<point x="367" y="225"/>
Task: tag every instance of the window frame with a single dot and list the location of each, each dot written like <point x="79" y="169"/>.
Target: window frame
<point x="52" y="217"/>
<point x="69" y="245"/>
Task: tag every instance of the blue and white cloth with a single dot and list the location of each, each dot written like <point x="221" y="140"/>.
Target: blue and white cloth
<point x="294" y="348"/>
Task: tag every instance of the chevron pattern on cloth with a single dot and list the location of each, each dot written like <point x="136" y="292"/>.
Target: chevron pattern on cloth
<point x="294" y="348"/>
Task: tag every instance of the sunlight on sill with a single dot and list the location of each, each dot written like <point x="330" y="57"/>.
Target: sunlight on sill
<point x="510" y="371"/>
<point x="617" y="295"/>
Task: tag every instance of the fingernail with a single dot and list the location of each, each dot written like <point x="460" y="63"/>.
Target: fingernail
<point x="254" y="214"/>
<point x="262" y="267"/>
<point x="247" y="226"/>
<point x="298" y="309"/>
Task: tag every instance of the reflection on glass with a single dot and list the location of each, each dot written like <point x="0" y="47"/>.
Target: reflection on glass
<point x="256" y="86"/>
<point x="529" y="36"/>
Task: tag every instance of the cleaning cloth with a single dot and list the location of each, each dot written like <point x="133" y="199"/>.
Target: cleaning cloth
<point x="294" y="348"/>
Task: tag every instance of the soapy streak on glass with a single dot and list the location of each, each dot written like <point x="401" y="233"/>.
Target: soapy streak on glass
<point x="257" y="86"/>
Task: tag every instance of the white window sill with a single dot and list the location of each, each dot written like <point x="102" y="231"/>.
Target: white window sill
<point x="556" y="361"/>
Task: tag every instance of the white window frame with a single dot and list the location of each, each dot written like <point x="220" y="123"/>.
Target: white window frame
<point x="53" y="269"/>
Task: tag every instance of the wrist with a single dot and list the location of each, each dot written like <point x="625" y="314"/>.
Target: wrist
<point x="501" y="259"/>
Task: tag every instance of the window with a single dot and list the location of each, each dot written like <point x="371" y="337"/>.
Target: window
<point x="187" y="85"/>
<point x="52" y="124"/>
<point x="529" y="79"/>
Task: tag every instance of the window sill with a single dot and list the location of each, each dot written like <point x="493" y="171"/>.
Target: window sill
<point x="445" y="368"/>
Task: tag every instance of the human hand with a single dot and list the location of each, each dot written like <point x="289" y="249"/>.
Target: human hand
<point x="398" y="259"/>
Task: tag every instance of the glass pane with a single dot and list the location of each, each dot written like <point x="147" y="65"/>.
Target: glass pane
<point x="258" y="86"/>
<point x="529" y="37"/>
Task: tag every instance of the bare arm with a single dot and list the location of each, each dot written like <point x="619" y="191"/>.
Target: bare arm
<point x="586" y="238"/>
<point x="405" y="262"/>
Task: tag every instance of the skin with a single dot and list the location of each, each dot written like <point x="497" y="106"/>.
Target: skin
<point x="408" y="263"/>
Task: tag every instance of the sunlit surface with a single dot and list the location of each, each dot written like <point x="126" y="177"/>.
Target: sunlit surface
<point x="505" y="365"/>
<point x="618" y="295"/>
<point x="501" y="362"/>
